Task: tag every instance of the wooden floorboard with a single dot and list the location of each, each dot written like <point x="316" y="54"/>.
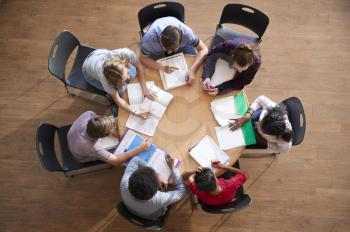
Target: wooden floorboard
<point x="305" y="53"/>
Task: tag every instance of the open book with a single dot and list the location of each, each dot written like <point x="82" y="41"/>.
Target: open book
<point x="206" y="151"/>
<point x="154" y="157"/>
<point x="222" y="73"/>
<point x="178" y="76"/>
<point x="228" y="108"/>
<point x="156" y="108"/>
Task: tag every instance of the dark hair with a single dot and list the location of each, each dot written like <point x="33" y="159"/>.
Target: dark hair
<point x="205" y="180"/>
<point x="170" y="38"/>
<point x="143" y="183"/>
<point x="100" y="127"/>
<point x="242" y="54"/>
<point x="274" y="122"/>
<point x="287" y="135"/>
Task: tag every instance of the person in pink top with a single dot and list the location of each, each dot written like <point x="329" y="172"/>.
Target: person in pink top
<point x="212" y="190"/>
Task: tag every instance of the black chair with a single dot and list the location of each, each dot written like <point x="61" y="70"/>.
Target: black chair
<point x="142" y="222"/>
<point x="242" y="201"/>
<point x="45" y="145"/>
<point x="150" y="13"/>
<point x="296" y="116"/>
<point x="60" y="52"/>
<point x="242" y="15"/>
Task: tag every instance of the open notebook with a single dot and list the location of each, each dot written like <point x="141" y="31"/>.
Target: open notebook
<point x="178" y="76"/>
<point x="206" y="151"/>
<point x="154" y="157"/>
<point x="156" y="108"/>
<point x="228" y="108"/>
<point x="222" y="73"/>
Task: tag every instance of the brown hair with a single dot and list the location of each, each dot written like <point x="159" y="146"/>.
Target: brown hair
<point x="171" y="38"/>
<point x="100" y="126"/>
<point x="242" y="54"/>
<point x="113" y="70"/>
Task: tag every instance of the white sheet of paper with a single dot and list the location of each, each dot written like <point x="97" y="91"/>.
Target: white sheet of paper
<point x="178" y="76"/>
<point x="145" y="126"/>
<point x="125" y="142"/>
<point x="222" y="73"/>
<point x="155" y="108"/>
<point x="163" y="97"/>
<point x="135" y="92"/>
<point x="229" y="139"/>
<point x="224" y="109"/>
<point x="206" y="151"/>
<point x="108" y="142"/>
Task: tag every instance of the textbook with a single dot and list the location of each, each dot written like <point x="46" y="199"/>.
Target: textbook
<point x="206" y="151"/>
<point x="154" y="157"/>
<point x="228" y="108"/>
<point x="176" y="78"/>
<point x="222" y="73"/>
<point x="156" y="108"/>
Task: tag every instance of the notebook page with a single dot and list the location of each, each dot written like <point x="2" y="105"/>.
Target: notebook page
<point x="163" y="97"/>
<point x="135" y="92"/>
<point x="159" y="164"/>
<point x="154" y="108"/>
<point x="108" y="142"/>
<point x="229" y="139"/>
<point x="224" y="109"/>
<point x="178" y="76"/>
<point x="125" y="142"/>
<point x="222" y="73"/>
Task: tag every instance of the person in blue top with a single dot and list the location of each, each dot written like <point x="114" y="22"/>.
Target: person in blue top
<point x="167" y="36"/>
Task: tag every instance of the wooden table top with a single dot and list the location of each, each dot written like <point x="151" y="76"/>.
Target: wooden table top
<point x="186" y="121"/>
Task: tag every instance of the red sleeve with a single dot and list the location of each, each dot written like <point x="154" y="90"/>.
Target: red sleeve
<point x="237" y="180"/>
<point x="192" y="186"/>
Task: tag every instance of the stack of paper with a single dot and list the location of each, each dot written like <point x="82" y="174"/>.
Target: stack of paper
<point x="222" y="73"/>
<point x="206" y="151"/>
<point x="178" y="76"/>
<point x="156" y="108"/>
<point x="154" y="157"/>
<point x="230" y="108"/>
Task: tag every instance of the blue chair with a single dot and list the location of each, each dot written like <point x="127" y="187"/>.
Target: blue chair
<point x="45" y="145"/>
<point x="59" y="54"/>
<point x="150" y="13"/>
<point x="242" y="15"/>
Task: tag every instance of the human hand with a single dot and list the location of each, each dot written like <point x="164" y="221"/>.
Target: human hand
<point x="163" y="185"/>
<point x="168" y="69"/>
<point x="199" y="169"/>
<point x="143" y="115"/>
<point x="213" y="91"/>
<point x="145" y="145"/>
<point x="237" y="123"/>
<point x="170" y="161"/>
<point x="216" y="164"/>
<point x="190" y="77"/>
<point x="206" y="83"/>
<point x="150" y="94"/>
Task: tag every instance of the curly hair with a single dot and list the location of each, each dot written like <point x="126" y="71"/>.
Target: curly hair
<point x="274" y="122"/>
<point x="143" y="183"/>
<point x="205" y="180"/>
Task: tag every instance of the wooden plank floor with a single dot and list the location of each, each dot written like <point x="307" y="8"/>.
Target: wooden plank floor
<point x="306" y="53"/>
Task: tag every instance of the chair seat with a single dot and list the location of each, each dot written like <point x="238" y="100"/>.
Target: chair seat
<point x="222" y="33"/>
<point x="231" y="207"/>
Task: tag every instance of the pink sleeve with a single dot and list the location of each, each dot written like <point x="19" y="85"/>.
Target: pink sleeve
<point x="192" y="186"/>
<point x="238" y="180"/>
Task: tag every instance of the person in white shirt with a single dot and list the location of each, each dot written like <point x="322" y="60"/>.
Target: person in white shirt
<point x="112" y="70"/>
<point x="271" y="124"/>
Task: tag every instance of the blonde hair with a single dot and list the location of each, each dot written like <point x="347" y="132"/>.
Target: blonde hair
<point x="113" y="70"/>
<point x="100" y="126"/>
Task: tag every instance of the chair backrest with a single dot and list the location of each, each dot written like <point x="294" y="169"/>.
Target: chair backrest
<point x="45" y="146"/>
<point x="234" y="206"/>
<point x="142" y="222"/>
<point x="150" y="13"/>
<point x="246" y="16"/>
<point x="59" y="53"/>
<point x="296" y="115"/>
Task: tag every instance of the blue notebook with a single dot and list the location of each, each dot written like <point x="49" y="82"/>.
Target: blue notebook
<point x="145" y="155"/>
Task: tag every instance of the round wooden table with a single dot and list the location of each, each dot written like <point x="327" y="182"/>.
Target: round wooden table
<point x="187" y="120"/>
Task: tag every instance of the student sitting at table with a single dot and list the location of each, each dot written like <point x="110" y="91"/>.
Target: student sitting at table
<point x="212" y="190"/>
<point x="271" y="124"/>
<point x="242" y="55"/>
<point x="111" y="71"/>
<point x="140" y="189"/>
<point x="87" y="130"/>
<point x="167" y="36"/>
